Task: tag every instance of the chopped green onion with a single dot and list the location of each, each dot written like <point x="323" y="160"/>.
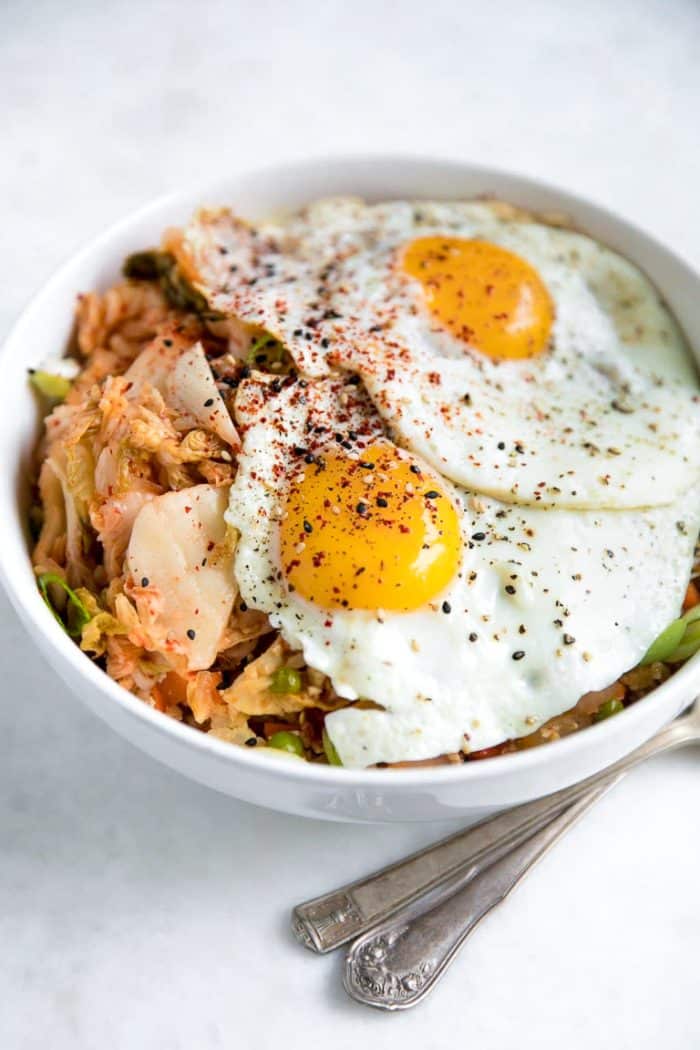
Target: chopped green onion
<point x="331" y="753"/>
<point x="284" y="741"/>
<point x="267" y="352"/>
<point x="147" y="265"/>
<point x="689" y="644"/>
<point x="49" y="385"/>
<point x="665" y="644"/>
<point x="77" y="615"/>
<point x="285" y="680"/>
<point x="608" y="709"/>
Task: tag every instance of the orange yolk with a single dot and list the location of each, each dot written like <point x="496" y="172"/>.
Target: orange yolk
<point x="376" y="532"/>
<point x="486" y="296"/>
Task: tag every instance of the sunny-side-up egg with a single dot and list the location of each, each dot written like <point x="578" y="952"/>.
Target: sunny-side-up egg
<point x="526" y="362"/>
<point x="466" y="620"/>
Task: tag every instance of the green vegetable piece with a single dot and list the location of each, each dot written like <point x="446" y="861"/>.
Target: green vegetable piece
<point x="181" y="294"/>
<point x="285" y="680"/>
<point x="331" y="753"/>
<point x="267" y="353"/>
<point x="284" y="741"/>
<point x="53" y="387"/>
<point x="608" y="709"/>
<point x="148" y="265"/>
<point x="689" y="645"/>
<point x="665" y="644"/>
<point x="77" y="614"/>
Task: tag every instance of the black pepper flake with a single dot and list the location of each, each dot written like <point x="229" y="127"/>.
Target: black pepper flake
<point x="381" y="502"/>
<point x="308" y="527"/>
<point x="354" y="381"/>
<point x="325" y="343"/>
<point x="501" y="445"/>
<point x="209" y="402"/>
<point x="478" y="536"/>
<point x="167" y="342"/>
<point x="144" y="581"/>
<point x="446" y="607"/>
<point x="518" y="654"/>
<point x="191" y="634"/>
<point x="251" y="741"/>
<point x="510" y="589"/>
<point x="569" y="639"/>
<point x="432" y="494"/>
<point x="297" y="332"/>
<point x="473" y="636"/>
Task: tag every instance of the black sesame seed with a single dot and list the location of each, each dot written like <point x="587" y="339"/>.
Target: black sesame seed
<point x="432" y="494"/>
<point x="191" y="634"/>
<point x="414" y="468"/>
<point x="446" y="607"/>
<point x="144" y="581"/>
<point x="309" y="458"/>
<point x="478" y="536"/>
<point x="365" y="464"/>
<point x="473" y="636"/>
<point x="251" y="741"/>
<point x="510" y="589"/>
<point x="308" y="527"/>
<point x="243" y="607"/>
<point x="325" y="343"/>
<point x="167" y="342"/>
<point x="297" y="332"/>
<point x="361" y="508"/>
<point x="354" y="380"/>
<point x="501" y="445"/>
<point x="209" y="402"/>
<point x="381" y="502"/>
<point x="518" y="654"/>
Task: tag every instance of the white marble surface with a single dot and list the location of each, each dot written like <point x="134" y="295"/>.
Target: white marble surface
<point x="138" y="910"/>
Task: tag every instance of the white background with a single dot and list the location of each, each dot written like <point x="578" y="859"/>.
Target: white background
<point x="138" y="910"/>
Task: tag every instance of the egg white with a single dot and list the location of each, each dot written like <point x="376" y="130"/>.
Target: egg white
<point x="580" y="594"/>
<point x="607" y="417"/>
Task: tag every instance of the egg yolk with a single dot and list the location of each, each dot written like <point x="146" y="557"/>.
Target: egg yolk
<point x="485" y="295"/>
<point x="375" y="532"/>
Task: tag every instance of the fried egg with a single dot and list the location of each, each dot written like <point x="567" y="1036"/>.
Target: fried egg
<point x="464" y="619"/>
<point x="522" y="361"/>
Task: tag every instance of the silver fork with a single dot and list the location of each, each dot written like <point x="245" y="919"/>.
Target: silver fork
<point x="437" y="896"/>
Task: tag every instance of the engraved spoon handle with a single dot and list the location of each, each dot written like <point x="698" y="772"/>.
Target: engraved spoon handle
<point x="326" y="922"/>
<point x="398" y="963"/>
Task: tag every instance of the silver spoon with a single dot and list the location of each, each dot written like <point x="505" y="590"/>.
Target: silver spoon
<point x="425" y="878"/>
<point x="397" y="963"/>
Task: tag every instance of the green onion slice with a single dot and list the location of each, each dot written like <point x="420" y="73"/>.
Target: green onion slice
<point x="667" y="642"/>
<point x="77" y="614"/>
<point x="331" y="753"/>
<point x="285" y="680"/>
<point x="54" y="387"/>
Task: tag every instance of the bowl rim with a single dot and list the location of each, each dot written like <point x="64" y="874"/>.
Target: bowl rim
<point x="33" y="610"/>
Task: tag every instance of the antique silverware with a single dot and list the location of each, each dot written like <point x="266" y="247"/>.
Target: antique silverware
<point x="428" y="877"/>
<point x="397" y="963"/>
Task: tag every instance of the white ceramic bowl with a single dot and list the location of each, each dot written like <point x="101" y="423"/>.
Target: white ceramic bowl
<point x="465" y="791"/>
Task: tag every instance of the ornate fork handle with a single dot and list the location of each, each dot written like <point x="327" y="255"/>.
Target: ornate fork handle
<point x="396" y="964"/>
<point x="424" y="878"/>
